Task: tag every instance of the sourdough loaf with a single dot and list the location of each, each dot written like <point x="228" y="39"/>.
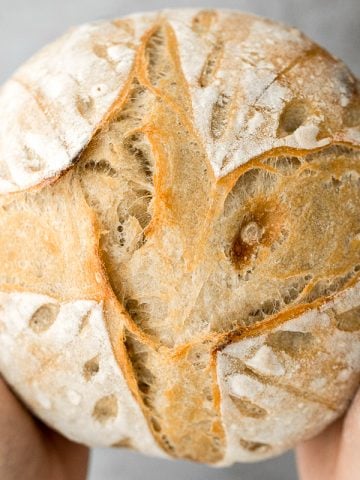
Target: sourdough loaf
<point x="180" y="235"/>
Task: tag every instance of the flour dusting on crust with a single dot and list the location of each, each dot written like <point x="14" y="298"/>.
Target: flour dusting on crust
<point x="302" y="372"/>
<point x="66" y="372"/>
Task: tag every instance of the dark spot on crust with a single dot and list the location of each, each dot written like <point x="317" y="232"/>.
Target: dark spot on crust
<point x="292" y="343"/>
<point x="247" y="408"/>
<point x="257" y="447"/>
<point x="44" y="317"/>
<point x="349" y="321"/>
<point x="105" y="409"/>
<point x="91" y="368"/>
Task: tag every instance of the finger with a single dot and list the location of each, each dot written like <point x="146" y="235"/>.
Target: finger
<point x="316" y="458"/>
<point x="28" y="444"/>
<point x="71" y="458"/>
<point x="348" y="466"/>
<point x="20" y="442"/>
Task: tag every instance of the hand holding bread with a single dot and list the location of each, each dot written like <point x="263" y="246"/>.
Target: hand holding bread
<point x="179" y="235"/>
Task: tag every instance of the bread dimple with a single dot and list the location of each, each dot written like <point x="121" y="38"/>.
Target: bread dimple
<point x="211" y="218"/>
<point x="303" y="372"/>
<point x="55" y="102"/>
<point x="51" y="371"/>
<point x="59" y="98"/>
<point x="253" y="80"/>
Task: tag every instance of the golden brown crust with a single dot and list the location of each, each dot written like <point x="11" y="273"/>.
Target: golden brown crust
<point x="213" y="212"/>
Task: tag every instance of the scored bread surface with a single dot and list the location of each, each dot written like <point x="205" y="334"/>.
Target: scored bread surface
<point x="179" y="235"/>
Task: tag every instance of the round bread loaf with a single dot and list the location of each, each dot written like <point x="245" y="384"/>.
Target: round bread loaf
<point x="180" y="235"/>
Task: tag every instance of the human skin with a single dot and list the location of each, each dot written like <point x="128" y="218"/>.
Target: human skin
<point x="335" y="453"/>
<point x="31" y="451"/>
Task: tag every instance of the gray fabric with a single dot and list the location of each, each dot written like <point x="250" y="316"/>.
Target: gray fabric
<point x="124" y="465"/>
<point x="27" y="25"/>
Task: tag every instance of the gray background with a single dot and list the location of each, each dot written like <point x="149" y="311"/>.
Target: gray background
<point x="26" y="25"/>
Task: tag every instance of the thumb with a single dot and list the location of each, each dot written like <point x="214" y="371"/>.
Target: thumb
<point x="333" y="454"/>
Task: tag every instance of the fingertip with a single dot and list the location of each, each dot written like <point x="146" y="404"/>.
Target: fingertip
<point x="316" y="457"/>
<point x="351" y="430"/>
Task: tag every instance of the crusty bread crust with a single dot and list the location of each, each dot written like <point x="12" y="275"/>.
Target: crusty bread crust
<point x="70" y="368"/>
<point x="303" y="371"/>
<point x="57" y="100"/>
<point x="179" y="235"/>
